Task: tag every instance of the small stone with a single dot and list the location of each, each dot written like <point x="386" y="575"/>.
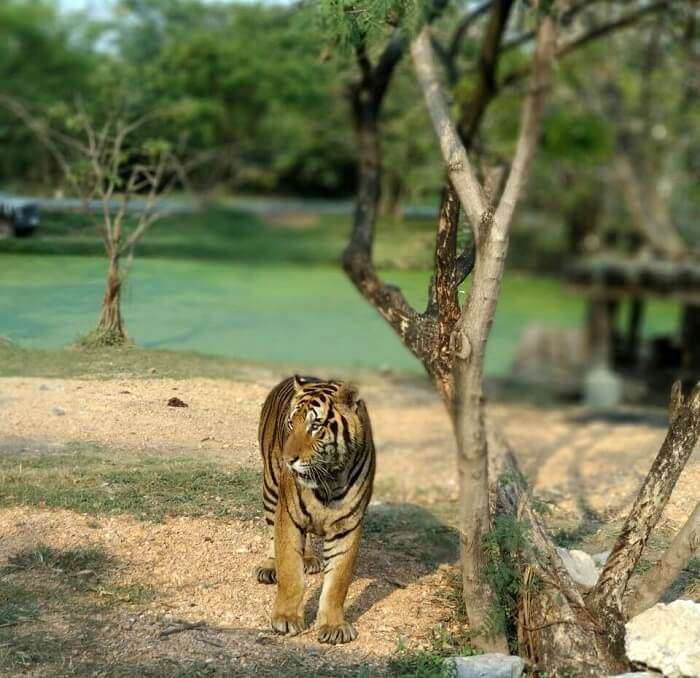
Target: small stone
<point x="152" y="370"/>
<point x="58" y="411"/>
<point x="176" y="402"/>
<point x="43" y="387"/>
<point x="262" y="639"/>
<point x="667" y="638"/>
<point x="492" y="665"/>
<point x="580" y="567"/>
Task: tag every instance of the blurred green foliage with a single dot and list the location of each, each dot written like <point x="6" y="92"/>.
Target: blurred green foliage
<point x="257" y="94"/>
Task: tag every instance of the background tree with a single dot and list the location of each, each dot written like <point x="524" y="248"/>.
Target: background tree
<point x="44" y="59"/>
<point x="108" y="164"/>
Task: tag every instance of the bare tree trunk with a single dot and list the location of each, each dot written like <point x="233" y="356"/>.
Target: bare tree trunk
<point x="685" y="546"/>
<point x="474" y="516"/>
<point x="110" y="325"/>
<point x="490" y="227"/>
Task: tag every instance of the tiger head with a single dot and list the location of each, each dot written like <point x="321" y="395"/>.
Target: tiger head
<point x="323" y="427"/>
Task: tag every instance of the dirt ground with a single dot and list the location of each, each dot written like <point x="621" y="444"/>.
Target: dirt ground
<point x="587" y="468"/>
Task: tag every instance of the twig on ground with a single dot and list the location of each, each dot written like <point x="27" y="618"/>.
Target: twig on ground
<point x="210" y="641"/>
<point x="16" y="622"/>
<point x="179" y="627"/>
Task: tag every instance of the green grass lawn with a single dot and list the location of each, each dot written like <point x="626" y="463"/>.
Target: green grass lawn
<point x="225" y="283"/>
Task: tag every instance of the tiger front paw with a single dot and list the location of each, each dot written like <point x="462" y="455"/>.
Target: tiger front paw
<point x="266" y="573"/>
<point x="312" y="564"/>
<point x="335" y="634"/>
<point x="290" y="625"/>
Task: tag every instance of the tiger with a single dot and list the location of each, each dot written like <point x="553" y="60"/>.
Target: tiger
<point x="318" y="474"/>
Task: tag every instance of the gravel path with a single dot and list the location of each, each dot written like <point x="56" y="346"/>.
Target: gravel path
<point x="200" y="568"/>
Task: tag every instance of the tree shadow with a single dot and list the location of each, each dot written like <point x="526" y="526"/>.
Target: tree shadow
<point x="62" y="614"/>
<point x="52" y="602"/>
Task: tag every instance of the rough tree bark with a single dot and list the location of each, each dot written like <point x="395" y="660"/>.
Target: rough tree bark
<point x="490" y="227"/>
<point x="111" y="323"/>
<point x="428" y="334"/>
<point x="555" y="630"/>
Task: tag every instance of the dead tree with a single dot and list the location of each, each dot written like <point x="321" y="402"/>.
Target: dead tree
<point x="116" y="175"/>
<point x="108" y="165"/>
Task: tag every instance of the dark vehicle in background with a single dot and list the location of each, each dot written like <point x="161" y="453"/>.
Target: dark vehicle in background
<point x="21" y="215"/>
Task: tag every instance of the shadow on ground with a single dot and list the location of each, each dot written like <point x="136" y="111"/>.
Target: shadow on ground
<point x="62" y="612"/>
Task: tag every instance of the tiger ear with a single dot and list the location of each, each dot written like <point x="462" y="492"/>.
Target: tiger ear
<point x="298" y="382"/>
<point x="348" y="395"/>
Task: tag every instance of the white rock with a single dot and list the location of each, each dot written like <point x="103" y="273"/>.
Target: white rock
<point x="487" y="666"/>
<point x="667" y="638"/>
<point x="580" y="566"/>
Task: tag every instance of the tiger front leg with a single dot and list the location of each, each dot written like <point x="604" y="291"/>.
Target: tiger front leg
<point x="288" y="614"/>
<point x="265" y="573"/>
<point x="340" y="556"/>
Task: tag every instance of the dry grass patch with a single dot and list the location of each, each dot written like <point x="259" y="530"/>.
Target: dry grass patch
<point x="89" y="479"/>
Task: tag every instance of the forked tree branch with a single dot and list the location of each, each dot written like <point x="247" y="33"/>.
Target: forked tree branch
<point x="471" y="193"/>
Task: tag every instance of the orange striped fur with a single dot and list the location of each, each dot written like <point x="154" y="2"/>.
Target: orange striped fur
<point x="318" y="471"/>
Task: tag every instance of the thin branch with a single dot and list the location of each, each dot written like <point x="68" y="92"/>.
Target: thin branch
<point x="486" y="87"/>
<point x="566" y="19"/>
<point x="463" y="25"/>
<point x="684" y="546"/>
<point x="595" y="33"/>
<point x="529" y="127"/>
<point x="459" y="168"/>
<point x="384" y="70"/>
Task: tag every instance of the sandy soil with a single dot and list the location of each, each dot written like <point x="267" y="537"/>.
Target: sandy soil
<point x="201" y="568"/>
